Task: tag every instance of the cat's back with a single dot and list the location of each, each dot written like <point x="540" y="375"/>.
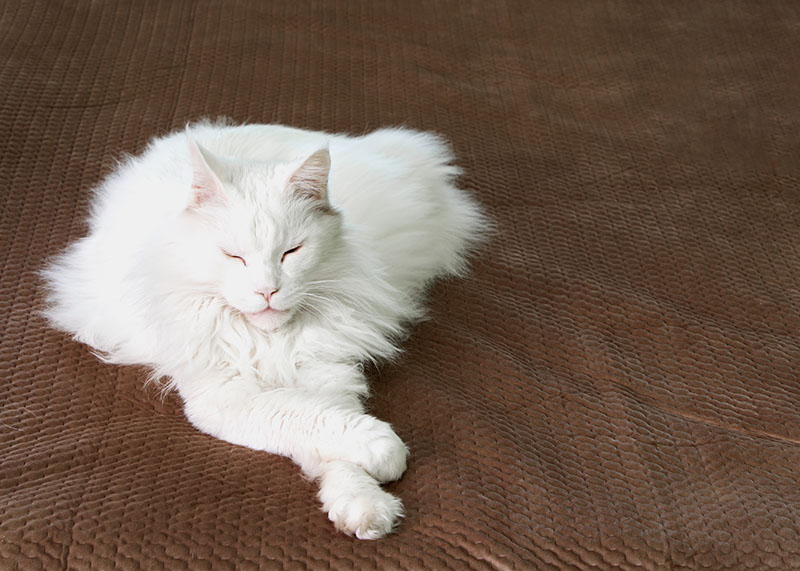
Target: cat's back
<point x="387" y="153"/>
<point x="397" y="188"/>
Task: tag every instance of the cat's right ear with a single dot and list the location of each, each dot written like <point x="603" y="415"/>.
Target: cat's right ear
<point x="206" y="185"/>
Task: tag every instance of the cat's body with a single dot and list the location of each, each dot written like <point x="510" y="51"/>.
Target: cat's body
<point x="256" y="267"/>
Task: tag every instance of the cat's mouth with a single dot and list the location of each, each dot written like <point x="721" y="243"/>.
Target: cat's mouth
<point x="267" y="311"/>
<point x="269" y="318"/>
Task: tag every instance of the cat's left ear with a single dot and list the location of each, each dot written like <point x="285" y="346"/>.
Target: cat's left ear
<point x="310" y="180"/>
<point x="206" y="183"/>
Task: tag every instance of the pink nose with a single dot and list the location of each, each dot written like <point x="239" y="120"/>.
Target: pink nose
<point x="267" y="293"/>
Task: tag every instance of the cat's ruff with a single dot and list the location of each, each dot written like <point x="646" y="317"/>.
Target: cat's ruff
<point x="255" y="268"/>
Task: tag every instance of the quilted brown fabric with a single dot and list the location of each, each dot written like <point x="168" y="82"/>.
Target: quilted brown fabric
<point x="615" y="385"/>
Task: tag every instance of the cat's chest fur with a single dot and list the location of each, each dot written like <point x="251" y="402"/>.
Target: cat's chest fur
<point x="219" y="339"/>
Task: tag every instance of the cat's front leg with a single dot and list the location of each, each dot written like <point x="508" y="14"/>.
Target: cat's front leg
<point x="366" y="440"/>
<point x="326" y="433"/>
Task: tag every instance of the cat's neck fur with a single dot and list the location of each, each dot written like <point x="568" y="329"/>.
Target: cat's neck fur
<point x="219" y="337"/>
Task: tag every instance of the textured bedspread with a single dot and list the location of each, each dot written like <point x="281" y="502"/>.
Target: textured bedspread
<point x="615" y="384"/>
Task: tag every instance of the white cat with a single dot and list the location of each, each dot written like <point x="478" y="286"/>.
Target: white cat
<point x="256" y="267"/>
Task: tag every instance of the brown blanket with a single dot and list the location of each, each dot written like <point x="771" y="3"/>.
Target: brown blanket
<point x="615" y="385"/>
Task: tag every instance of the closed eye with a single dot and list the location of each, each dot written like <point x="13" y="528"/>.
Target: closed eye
<point x="292" y="251"/>
<point x="235" y="257"/>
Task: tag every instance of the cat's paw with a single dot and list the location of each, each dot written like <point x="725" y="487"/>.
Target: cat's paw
<point x="375" y="447"/>
<point x="369" y="515"/>
<point x="356" y="504"/>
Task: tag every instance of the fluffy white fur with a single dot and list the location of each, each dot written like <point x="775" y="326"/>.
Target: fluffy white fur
<point x="256" y="267"/>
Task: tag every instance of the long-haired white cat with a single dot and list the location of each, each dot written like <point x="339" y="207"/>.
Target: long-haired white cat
<point x="257" y="267"/>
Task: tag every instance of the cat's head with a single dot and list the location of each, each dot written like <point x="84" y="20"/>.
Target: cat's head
<point x="262" y="233"/>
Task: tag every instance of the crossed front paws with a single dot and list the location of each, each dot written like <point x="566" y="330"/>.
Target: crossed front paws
<point x="368" y="454"/>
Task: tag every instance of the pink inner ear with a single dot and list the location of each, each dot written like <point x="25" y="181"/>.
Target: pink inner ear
<point x="206" y="185"/>
<point x="310" y="180"/>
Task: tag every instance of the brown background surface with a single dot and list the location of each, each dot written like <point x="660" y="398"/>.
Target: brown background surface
<point x="614" y="385"/>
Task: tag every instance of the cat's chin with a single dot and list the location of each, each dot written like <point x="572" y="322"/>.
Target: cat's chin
<point x="269" y="318"/>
